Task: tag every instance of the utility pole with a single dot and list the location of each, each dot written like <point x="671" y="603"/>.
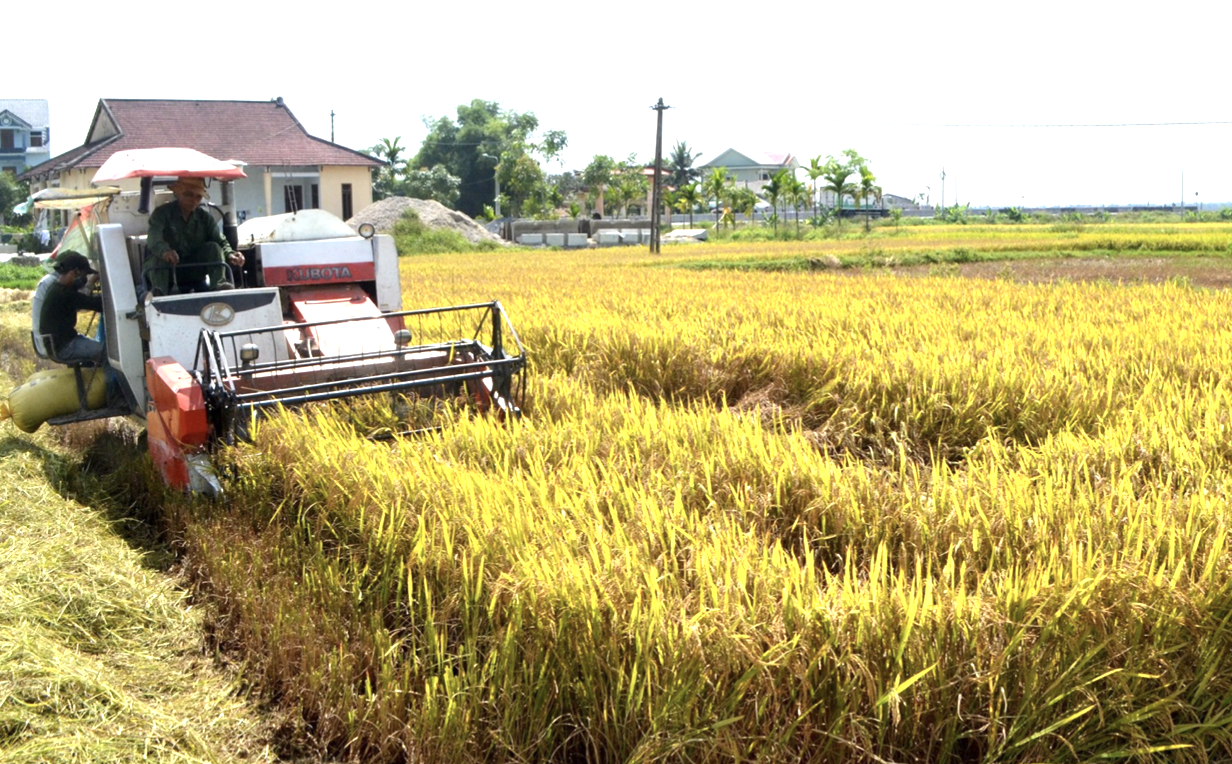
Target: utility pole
<point x="658" y="175"/>
<point x="943" y="188"/>
<point x="331" y="125"/>
<point x="496" y="178"/>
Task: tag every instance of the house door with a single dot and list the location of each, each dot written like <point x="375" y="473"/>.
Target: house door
<point x="294" y="198"/>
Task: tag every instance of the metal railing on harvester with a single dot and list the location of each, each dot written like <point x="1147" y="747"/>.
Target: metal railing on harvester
<point x="433" y="355"/>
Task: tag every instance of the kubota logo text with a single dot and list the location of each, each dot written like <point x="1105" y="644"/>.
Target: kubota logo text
<point x="217" y="314"/>
<point x="332" y="273"/>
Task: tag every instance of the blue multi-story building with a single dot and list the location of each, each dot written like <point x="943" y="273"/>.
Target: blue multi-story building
<point x="25" y="133"/>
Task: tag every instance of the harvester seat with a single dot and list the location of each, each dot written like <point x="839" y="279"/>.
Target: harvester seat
<point x="43" y="348"/>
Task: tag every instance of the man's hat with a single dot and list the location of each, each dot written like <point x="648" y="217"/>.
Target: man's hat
<point x="73" y="261"/>
<point x="189" y="184"/>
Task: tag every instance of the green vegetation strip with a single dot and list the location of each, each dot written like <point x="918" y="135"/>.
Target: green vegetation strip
<point x="20" y="276"/>
<point x="868" y="260"/>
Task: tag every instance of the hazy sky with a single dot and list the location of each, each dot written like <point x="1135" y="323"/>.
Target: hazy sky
<point x="977" y="89"/>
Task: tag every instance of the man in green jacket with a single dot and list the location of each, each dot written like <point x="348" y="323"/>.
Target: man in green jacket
<point x="184" y="239"/>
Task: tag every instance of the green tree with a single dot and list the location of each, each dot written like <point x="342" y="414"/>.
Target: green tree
<point x="680" y="170"/>
<point x="633" y="188"/>
<point x="816" y="169"/>
<point x="668" y="199"/>
<point x="796" y="192"/>
<point x="522" y="179"/>
<point x="435" y="183"/>
<point x="774" y="190"/>
<point x="689" y="196"/>
<point x="715" y="187"/>
<point x="744" y="200"/>
<point x="12" y="193"/>
<point x="868" y="187"/>
<point x="484" y="127"/>
<point x="617" y="195"/>
<point x="836" y="175"/>
<point x="385" y="179"/>
<point x="598" y="176"/>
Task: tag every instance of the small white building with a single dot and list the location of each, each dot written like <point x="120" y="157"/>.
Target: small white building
<point x="25" y="133"/>
<point x="896" y="202"/>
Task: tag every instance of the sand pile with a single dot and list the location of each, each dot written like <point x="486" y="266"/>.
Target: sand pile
<point x="383" y="214"/>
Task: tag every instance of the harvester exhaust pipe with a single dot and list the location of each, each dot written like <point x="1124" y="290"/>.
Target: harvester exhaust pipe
<point x="143" y="201"/>
<point x="230" y="228"/>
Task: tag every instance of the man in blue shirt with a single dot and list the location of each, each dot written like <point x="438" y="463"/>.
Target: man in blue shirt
<point x="184" y="238"/>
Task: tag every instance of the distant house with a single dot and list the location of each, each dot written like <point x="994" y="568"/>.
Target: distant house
<point x="287" y="168"/>
<point x="894" y="201"/>
<point x="25" y="133"/>
<point x="750" y="170"/>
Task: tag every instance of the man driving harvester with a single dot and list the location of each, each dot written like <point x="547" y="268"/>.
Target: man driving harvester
<point x="184" y="242"/>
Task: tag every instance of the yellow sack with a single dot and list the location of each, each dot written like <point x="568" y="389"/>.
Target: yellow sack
<point x="52" y="393"/>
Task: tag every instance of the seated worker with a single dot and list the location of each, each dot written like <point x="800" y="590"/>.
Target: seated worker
<point x="183" y="234"/>
<point x="58" y="318"/>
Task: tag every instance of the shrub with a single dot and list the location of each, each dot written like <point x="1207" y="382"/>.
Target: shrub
<point x="412" y="237"/>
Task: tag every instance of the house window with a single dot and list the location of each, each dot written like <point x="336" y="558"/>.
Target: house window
<point x="347" y="210"/>
<point x="9" y="170"/>
<point x="294" y="198"/>
<point x="316" y="197"/>
<point x="6" y="139"/>
<point x="36" y="139"/>
<point x="765" y="176"/>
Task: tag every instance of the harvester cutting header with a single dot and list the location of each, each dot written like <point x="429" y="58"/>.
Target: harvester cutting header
<point x="314" y="313"/>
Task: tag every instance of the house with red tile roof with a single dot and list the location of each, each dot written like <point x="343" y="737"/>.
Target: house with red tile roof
<point x="287" y="168"/>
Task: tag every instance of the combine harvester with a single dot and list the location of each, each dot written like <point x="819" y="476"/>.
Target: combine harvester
<point x="316" y="316"/>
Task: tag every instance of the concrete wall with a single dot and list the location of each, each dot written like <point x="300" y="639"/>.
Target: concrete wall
<point x="514" y="229"/>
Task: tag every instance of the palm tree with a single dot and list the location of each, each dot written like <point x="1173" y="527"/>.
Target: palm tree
<point x="634" y="187"/>
<point x="682" y="205"/>
<point x="774" y="190"/>
<point x="597" y="176"/>
<point x="714" y="188"/>
<point x="680" y="170"/>
<point x="868" y="187"/>
<point x="745" y="200"/>
<point x="617" y="195"/>
<point x="836" y="175"/>
<point x="668" y="200"/>
<point x="390" y="152"/>
<point x="815" y="170"/>
<point x="796" y="192"/>
<point x="688" y="194"/>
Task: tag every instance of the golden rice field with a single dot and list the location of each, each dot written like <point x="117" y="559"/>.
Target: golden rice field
<point x="762" y="516"/>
